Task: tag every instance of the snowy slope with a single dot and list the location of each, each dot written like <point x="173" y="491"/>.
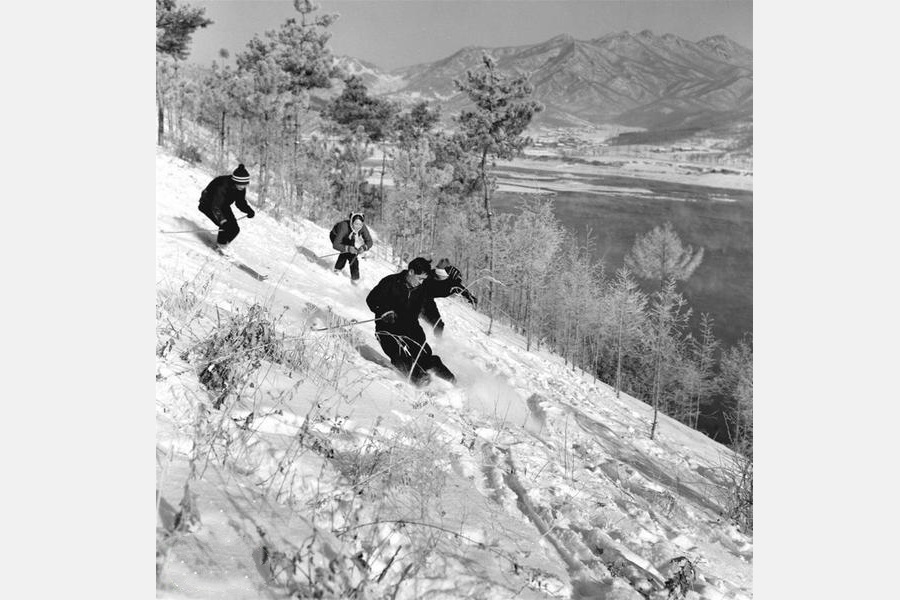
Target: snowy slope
<point x="527" y="479"/>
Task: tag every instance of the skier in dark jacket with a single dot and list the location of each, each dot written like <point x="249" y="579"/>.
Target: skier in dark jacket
<point x="216" y="201"/>
<point x="397" y="301"/>
<point x="444" y="271"/>
<point x="350" y="238"/>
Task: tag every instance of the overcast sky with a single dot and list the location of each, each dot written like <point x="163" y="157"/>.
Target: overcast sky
<point x="398" y="33"/>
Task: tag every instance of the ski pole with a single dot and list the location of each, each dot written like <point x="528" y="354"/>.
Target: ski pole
<point x="355" y="256"/>
<point x="350" y="324"/>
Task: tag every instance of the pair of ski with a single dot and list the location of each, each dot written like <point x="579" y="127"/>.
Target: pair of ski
<point x="243" y="267"/>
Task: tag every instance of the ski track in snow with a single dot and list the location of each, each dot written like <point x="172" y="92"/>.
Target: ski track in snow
<point x="538" y="440"/>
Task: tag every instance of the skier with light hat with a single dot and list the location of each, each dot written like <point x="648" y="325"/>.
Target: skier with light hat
<point x="216" y="201"/>
<point x="351" y="238"/>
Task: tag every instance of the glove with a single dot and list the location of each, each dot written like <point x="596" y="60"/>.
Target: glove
<point x="389" y="317"/>
<point x="251" y="214"/>
<point x="352" y="250"/>
<point x="363" y="248"/>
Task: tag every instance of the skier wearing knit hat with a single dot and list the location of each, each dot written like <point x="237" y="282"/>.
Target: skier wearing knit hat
<point x="216" y="201"/>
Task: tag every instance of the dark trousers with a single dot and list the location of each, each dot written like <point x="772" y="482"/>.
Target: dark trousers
<point x="224" y="219"/>
<point x="432" y="316"/>
<point x="412" y="358"/>
<point x="343" y="258"/>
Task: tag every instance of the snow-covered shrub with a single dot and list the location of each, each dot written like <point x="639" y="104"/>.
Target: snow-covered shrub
<point x="680" y="578"/>
<point x="177" y="308"/>
<point x="235" y="350"/>
<point x="189" y="153"/>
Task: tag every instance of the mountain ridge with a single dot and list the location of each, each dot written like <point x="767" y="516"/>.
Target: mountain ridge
<point x="642" y="80"/>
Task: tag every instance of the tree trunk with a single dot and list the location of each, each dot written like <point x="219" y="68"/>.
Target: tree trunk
<point x="381" y="186"/>
<point x="160" y="123"/>
<point x="619" y="342"/>
<point x="528" y="332"/>
<point x="264" y="163"/>
<point x="221" y="161"/>
<point x="657" y="381"/>
<point x="423" y="229"/>
<point x="656" y="395"/>
<point x="490" y="226"/>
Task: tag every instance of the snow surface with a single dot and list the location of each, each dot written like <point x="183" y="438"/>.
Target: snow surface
<point x="551" y="487"/>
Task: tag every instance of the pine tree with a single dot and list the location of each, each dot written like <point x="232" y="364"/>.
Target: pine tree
<point x="414" y="206"/>
<point x="668" y="318"/>
<point x="281" y="68"/>
<point x="659" y="256"/>
<point x="219" y="102"/>
<point x="571" y="299"/>
<point x="363" y="117"/>
<point x="624" y="307"/>
<point x="736" y="380"/>
<point x="409" y="129"/>
<point x="493" y="130"/>
<point x="703" y="353"/>
<point x="354" y="108"/>
<point x="175" y="25"/>
<point x="531" y="240"/>
<point x="416" y="123"/>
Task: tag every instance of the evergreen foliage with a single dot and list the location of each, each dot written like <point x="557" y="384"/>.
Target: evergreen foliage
<point x="493" y="130"/>
<point x="659" y="255"/>
<point x="364" y="120"/>
<point x="414" y="207"/>
<point x="736" y="381"/>
<point x="623" y="320"/>
<point x="530" y="241"/>
<point x="355" y="108"/>
<point x="702" y="382"/>
<point x="278" y="70"/>
<point x="174" y="27"/>
<point x="413" y="125"/>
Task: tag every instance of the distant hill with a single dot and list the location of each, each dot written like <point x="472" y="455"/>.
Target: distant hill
<point x="655" y="82"/>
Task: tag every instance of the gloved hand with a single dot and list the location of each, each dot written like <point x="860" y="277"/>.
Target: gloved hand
<point x="352" y="250"/>
<point x="363" y="248"/>
<point x="251" y="214"/>
<point x="389" y="317"/>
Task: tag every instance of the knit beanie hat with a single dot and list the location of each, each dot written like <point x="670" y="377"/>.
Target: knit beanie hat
<point x="240" y="175"/>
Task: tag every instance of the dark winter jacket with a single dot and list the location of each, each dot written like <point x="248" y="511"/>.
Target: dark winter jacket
<point x="342" y="237"/>
<point x="394" y="293"/>
<point x="220" y="193"/>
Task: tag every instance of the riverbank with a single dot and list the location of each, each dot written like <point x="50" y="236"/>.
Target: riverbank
<point x="550" y="172"/>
